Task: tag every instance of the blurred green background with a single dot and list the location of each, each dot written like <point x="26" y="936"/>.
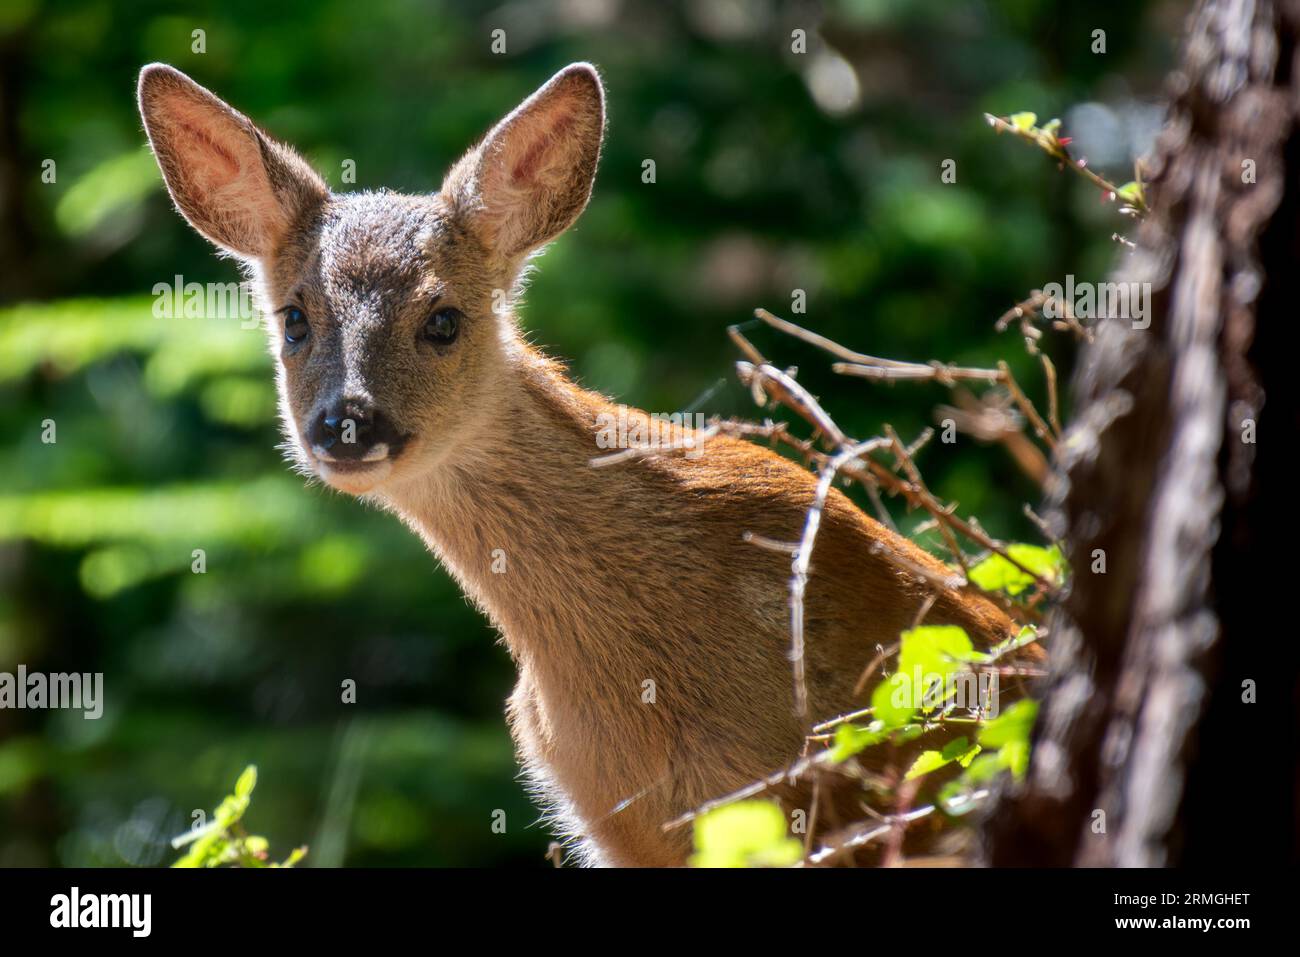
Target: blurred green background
<point x="775" y="171"/>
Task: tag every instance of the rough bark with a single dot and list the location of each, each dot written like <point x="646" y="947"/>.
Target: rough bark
<point x="1143" y="718"/>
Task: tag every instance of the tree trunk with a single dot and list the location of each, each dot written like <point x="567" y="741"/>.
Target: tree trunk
<point x="1147" y="750"/>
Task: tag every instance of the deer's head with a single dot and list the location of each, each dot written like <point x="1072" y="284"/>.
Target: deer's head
<point x="389" y="315"/>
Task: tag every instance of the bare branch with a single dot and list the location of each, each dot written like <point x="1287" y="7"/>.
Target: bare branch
<point x="803" y="559"/>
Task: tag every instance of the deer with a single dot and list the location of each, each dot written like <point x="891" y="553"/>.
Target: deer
<point x="405" y="379"/>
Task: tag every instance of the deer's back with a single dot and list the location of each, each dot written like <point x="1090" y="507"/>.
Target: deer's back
<point x="681" y="687"/>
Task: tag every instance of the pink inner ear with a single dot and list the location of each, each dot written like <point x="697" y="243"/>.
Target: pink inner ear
<point x="218" y="155"/>
<point x="525" y="170"/>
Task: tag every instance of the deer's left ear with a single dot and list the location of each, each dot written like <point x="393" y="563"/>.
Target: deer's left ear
<point x="531" y="176"/>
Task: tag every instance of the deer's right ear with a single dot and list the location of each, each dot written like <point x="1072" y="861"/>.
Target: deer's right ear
<point x="532" y="175"/>
<point x="234" y="184"/>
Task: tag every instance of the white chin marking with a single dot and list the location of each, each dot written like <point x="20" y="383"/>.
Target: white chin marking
<point x="377" y="453"/>
<point x="355" y="481"/>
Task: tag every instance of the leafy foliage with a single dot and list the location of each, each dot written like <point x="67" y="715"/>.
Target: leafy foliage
<point x="959" y="750"/>
<point x="996" y="573"/>
<point x="745" y="834"/>
<point x="224" y="841"/>
<point x="1003" y="746"/>
<point x="929" y="657"/>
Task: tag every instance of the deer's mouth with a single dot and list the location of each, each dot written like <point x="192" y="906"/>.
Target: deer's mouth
<point x="358" y="473"/>
<point x="361" y="460"/>
<point x="345" y="467"/>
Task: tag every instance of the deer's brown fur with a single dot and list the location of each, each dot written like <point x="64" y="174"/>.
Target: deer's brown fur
<point x="600" y="580"/>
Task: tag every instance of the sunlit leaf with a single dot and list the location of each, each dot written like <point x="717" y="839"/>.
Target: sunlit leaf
<point x="850" y="739"/>
<point x="996" y="573"/>
<point x="1023" y="121"/>
<point x="1130" y="192"/>
<point x="745" y="834"/>
<point x="959" y="750"/>
<point x="247" y="781"/>
<point x="1013" y="724"/>
<point x="224" y="841"/>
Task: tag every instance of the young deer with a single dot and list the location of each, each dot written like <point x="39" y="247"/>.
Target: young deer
<point x="404" y="380"/>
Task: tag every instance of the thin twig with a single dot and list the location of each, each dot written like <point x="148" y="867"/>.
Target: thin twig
<point x="812" y="815"/>
<point x="792" y="772"/>
<point x="904" y="459"/>
<point x="1052" y="146"/>
<point x="803" y="559"/>
<point x="694" y="441"/>
<point x="1027" y="407"/>
<point x="821" y="342"/>
<point x="1053" y="406"/>
<point x="1025" y="312"/>
<point x="782" y="387"/>
<point x="1040" y="523"/>
<point x="915" y="371"/>
<point x="873" y="367"/>
<point x="857" y="837"/>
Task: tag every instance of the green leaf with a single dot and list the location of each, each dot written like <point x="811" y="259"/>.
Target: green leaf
<point x="294" y="857"/>
<point x="926" y="762"/>
<point x="223" y="841"/>
<point x="1047" y="562"/>
<point x="959" y="750"/>
<point x="1005" y="745"/>
<point x="1130" y="192"/>
<point x="996" y="573"/>
<point x="850" y="739"/>
<point x="203" y="850"/>
<point x="935" y="649"/>
<point x="929" y="654"/>
<point x="1015" y="758"/>
<point x="1026" y="636"/>
<point x="230" y="810"/>
<point x="1012" y="725"/>
<point x="891" y="701"/>
<point x="745" y="834"/>
<point x="956" y="749"/>
<point x="247" y="781"/>
<point x="1023" y="121"/>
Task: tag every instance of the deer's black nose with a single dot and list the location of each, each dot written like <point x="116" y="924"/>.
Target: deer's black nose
<point x="352" y="429"/>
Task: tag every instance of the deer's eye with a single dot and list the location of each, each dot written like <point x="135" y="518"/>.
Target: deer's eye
<point x="442" y="327"/>
<point x="295" y="325"/>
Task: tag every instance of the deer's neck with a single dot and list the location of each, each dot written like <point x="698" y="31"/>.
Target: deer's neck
<point x="518" y="515"/>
